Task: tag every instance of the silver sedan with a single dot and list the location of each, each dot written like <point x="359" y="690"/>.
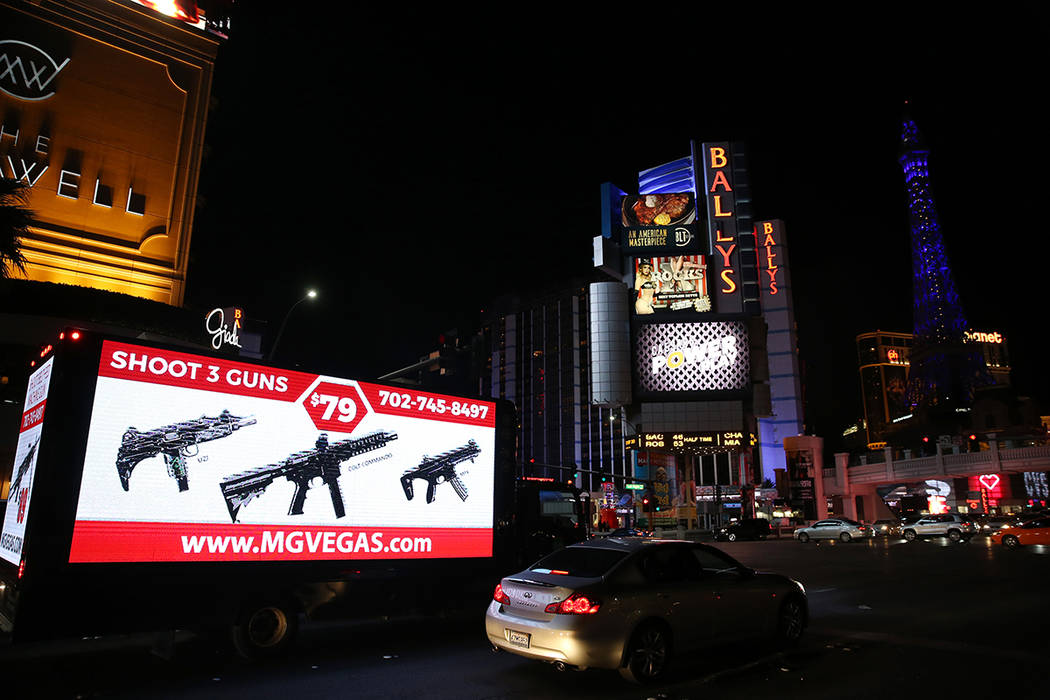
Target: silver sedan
<point x="627" y="603"/>
<point x="842" y="529"/>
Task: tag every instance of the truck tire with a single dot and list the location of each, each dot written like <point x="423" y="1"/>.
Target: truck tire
<point x="264" y="629"/>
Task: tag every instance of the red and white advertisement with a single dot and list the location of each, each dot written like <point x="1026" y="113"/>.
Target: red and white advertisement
<point x="12" y="538"/>
<point x="194" y="458"/>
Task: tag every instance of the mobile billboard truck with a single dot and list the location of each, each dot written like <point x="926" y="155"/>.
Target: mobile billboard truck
<point x="162" y="488"/>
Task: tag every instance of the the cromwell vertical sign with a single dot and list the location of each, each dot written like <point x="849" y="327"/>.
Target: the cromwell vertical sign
<point x="193" y="458"/>
<point x="721" y="205"/>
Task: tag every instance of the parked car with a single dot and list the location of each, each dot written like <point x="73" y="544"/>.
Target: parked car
<point x="744" y="529"/>
<point x="898" y="529"/>
<point x="1035" y="531"/>
<point x="842" y="529"/>
<point x="954" y="526"/>
<point x="618" y="604"/>
<point x="885" y="527"/>
<point x="629" y="532"/>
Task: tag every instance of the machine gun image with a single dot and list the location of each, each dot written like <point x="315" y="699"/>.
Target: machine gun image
<point x="441" y="469"/>
<point x="301" y="468"/>
<point x="176" y="442"/>
<point x="22" y="469"/>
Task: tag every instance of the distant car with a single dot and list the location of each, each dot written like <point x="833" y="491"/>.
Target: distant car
<point x="842" y="529"/>
<point x="885" y="528"/>
<point x="629" y="532"/>
<point x="628" y="604"/>
<point x="954" y="526"/>
<point x="1035" y="531"/>
<point x="991" y="524"/>
<point x="744" y="529"/>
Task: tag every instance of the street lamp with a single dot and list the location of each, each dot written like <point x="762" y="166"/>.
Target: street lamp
<point x="273" y="348"/>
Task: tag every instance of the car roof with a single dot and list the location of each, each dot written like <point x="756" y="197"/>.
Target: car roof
<point x="627" y="544"/>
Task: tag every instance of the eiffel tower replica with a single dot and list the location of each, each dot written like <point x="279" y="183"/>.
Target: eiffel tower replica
<point x="945" y="373"/>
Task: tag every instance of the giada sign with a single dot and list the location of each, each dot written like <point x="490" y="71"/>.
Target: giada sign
<point x="224" y="325"/>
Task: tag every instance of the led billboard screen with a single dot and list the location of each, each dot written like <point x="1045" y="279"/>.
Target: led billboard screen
<point x="659" y="223"/>
<point x="675" y="284"/>
<point x="27" y="451"/>
<point x="709" y="356"/>
<point x="194" y="458"/>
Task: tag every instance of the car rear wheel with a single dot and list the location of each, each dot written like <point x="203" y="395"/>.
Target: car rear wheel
<point x="845" y="537"/>
<point x="1011" y="541"/>
<point x="909" y="535"/>
<point x="731" y="537"/>
<point x="648" y="653"/>
<point x="954" y="535"/>
<point x="791" y="621"/>
<point x="803" y="538"/>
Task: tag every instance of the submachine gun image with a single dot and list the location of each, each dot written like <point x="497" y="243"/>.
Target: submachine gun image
<point x="176" y="442"/>
<point x="441" y="469"/>
<point x="20" y="474"/>
<point x="301" y="468"/>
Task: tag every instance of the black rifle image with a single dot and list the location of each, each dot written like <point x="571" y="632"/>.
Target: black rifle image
<point x="301" y="468"/>
<point x="22" y="469"/>
<point x="176" y="442"/>
<point x="441" y="469"/>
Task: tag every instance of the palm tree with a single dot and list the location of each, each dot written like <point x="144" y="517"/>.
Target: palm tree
<point x="15" y="219"/>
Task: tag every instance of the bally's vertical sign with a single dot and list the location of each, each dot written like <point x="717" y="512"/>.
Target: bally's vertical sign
<point x="772" y="263"/>
<point x="721" y="203"/>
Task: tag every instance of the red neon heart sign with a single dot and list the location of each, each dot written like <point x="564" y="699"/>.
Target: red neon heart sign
<point x="989" y="481"/>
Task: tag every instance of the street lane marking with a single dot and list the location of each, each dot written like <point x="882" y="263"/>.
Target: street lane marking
<point x="937" y="644"/>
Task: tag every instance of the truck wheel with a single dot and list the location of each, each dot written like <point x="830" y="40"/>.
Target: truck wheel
<point x="264" y="630"/>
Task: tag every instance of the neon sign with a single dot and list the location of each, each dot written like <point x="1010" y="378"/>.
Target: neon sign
<point x="721" y="202"/>
<point x="769" y="246"/>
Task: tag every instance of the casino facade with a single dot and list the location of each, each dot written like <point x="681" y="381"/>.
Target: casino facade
<point x="103" y="106"/>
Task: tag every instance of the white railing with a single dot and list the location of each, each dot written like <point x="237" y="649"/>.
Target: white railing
<point x="947" y="465"/>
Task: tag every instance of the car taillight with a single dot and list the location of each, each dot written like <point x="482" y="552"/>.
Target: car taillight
<point x="576" y="604"/>
<point x="862" y="528"/>
<point x="499" y="596"/>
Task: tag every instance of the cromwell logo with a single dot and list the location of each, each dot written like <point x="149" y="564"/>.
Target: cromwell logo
<point x="26" y="72"/>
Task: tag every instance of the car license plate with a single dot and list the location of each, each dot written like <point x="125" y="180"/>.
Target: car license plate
<point x="518" y="639"/>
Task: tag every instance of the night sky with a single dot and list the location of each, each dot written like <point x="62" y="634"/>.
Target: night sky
<point x="412" y="167"/>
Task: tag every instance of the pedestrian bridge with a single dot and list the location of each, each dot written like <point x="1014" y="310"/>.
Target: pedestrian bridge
<point x="858" y="481"/>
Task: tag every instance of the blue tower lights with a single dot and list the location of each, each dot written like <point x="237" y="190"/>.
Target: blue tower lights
<point x="942" y="370"/>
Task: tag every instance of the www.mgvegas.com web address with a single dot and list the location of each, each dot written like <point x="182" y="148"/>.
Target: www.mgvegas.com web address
<point x="297" y="542"/>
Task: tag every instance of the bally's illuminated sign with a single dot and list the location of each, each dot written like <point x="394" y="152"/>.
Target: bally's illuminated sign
<point x="722" y="222"/>
<point x="26" y="71"/>
<point x="690" y="357"/>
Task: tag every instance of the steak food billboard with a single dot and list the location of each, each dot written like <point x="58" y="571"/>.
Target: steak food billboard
<point x="194" y="458"/>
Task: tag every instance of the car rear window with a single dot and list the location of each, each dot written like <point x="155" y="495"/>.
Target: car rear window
<point x="586" y="562"/>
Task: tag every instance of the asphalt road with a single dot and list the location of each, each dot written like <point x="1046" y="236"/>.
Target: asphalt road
<point x="887" y="618"/>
